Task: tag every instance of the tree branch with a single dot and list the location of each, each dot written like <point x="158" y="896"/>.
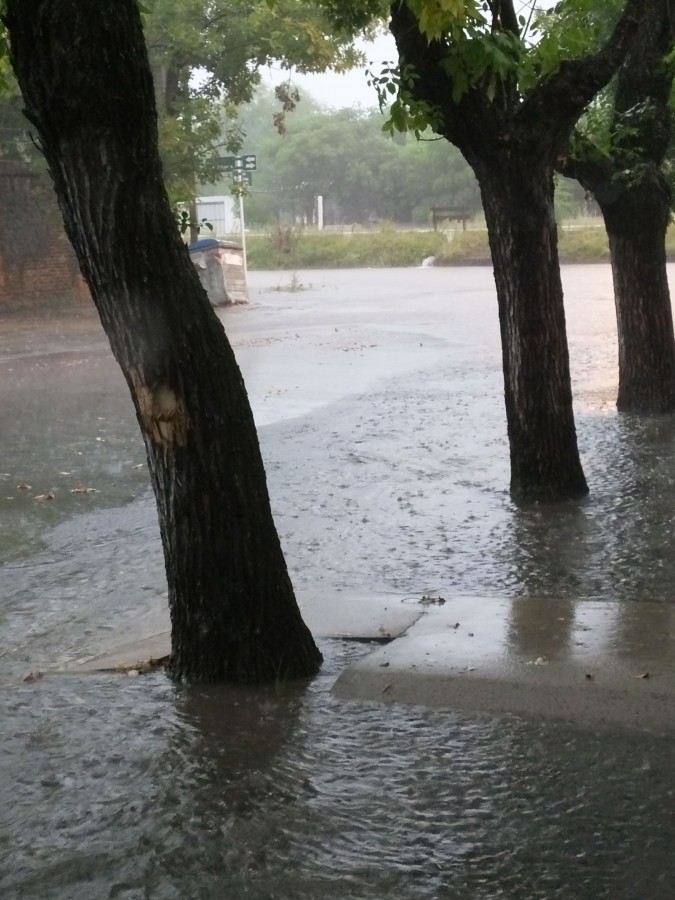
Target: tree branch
<point x="434" y="85"/>
<point x="587" y="166"/>
<point x="507" y="16"/>
<point x="561" y="98"/>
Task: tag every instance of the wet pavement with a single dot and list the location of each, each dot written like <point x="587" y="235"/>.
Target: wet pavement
<point x="379" y="401"/>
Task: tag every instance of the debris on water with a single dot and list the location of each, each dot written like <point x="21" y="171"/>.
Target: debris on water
<point x="23" y="486"/>
<point x="643" y="675"/>
<point x="541" y="661"/>
<point x="35" y="675"/>
<point x="143" y="667"/>
<point x="83" y="489"/>
<point x="426" y="600"/>
<point x="42" y="497"/>
<point x="589" y="676"/>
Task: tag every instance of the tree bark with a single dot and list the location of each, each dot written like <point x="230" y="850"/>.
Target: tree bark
<point x="636" y="224"/>
<point x="635" y="199"/>
<point x="517" y="192"/>
<point x="86" y="83"/>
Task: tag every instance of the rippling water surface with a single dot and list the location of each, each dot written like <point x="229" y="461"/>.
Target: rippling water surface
<point x="138" y="788"/>
<point x="134" y="788"/>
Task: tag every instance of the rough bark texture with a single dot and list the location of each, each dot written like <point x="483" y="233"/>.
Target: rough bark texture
<point x="636" y="210"/>
<point x="84" y="75"/>
<point x="518" y="205"/>
<point x="636" y="224"/>
<point x="512" y="142"/>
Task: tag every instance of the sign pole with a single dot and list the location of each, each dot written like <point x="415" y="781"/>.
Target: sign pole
<point x="243" y="233"/>
<point x="241" y="168"/>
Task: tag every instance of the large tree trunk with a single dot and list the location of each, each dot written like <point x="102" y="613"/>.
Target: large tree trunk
<point x="636" y="221"/>
<point x="635" y="198"/>
<point x="84" y="75"/>
<point x="517" y="193"/>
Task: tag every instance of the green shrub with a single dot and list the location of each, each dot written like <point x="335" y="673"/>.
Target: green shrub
<point x="465" y="248"/>
<point x="376" y="249"/>
<point x="583" y="244"/>
<point x="289" y="249"/>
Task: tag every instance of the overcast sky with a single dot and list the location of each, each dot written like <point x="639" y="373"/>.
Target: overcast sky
<point x="351" y="88"/>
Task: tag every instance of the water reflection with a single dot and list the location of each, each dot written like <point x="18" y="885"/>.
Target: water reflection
<point x="617" y="544"/>
<point x="297" y="796"/>
<point x="636" y="501"/>
<point x="541" y="628"/>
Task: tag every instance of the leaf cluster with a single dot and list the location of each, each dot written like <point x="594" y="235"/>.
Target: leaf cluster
<point x="504" y="57"/>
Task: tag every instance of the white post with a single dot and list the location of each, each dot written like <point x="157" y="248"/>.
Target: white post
<point x="319" y="212"/>
<point x="243" y="234"/>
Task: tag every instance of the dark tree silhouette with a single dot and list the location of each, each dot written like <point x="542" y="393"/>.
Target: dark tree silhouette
<point x="83" y="71"/>
<point x="635" y="197"/>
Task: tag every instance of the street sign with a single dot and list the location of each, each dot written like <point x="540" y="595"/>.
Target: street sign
<point x="235" y="163"/>
<point x="243" y="177"/>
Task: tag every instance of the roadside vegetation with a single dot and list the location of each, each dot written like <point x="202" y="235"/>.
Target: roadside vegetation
<point x="583" y="241"/>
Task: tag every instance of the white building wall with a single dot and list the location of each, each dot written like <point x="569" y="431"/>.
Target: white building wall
<point x="219" y="211"/>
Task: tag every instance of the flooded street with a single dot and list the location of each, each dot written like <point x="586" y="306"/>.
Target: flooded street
<point x="379" y="400"/>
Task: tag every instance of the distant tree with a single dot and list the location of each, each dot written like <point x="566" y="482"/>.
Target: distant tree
<point x="85" y="79"/>
<point x="362" y="174"/>
<point x="619" y="155"/>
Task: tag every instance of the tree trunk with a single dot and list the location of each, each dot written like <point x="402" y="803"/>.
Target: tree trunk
<point x="85" y="79"/>
<point x="636" y="222"/>
<point x="635" y="197"/>
<point x="517" y="192"/>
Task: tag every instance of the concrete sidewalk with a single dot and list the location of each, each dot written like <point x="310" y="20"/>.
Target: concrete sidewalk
<point x="587" y="662"/>
<point x="590" y="663"/>
<point x="342" y="616"/>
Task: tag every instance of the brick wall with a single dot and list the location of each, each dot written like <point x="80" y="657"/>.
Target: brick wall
<point x="38" y="269"/>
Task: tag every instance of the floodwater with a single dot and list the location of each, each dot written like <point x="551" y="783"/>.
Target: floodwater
<point x="379" y="400"/>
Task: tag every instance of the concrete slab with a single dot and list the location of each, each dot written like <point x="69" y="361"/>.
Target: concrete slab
<point x="591" y="663"/>
<point x="327" y="614"/>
